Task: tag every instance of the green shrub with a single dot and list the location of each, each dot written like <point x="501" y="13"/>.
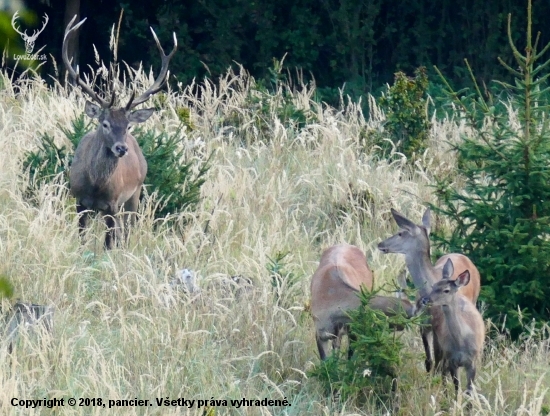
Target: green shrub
<point x="176" y="182"/>
<point x="50" y="160"/>
<point x="407" y="124"/>
<point x="6" y="287"/>
<point x="501" y="217"/>
<point x="378" y="355"/>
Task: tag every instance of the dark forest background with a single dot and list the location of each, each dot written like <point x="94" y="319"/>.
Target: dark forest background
<point x="359" y="43"/>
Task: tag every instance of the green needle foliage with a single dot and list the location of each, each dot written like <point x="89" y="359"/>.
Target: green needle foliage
<point x="378" y="354"/>
<point x="175" y="181"/>
<point x="501" y="216"/>
<point x="49" y="160"/>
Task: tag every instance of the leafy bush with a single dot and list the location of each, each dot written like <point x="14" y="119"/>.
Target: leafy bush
<point x="378" y="355"/>
<point x="176" y="183"/>
<point x="406" y="120"/>
<point x="501" y="217"/>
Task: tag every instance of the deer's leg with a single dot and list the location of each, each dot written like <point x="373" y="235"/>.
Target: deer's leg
<point x="130" y="214"/>
<point x="424" y="333"/>
<point x="454" y="374"/>
<point x="438" y="354"/>
<point x="470" y="376"/>
<point x="322" y="346"/>
<point x="83" y="216"/>
<point x="112" y="236"/>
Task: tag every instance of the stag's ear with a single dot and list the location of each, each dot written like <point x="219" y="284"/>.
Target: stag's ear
<point x="448" y="270"/>
<point x="426" y="220"/>
<point x="92" y="110"/>
<point x="463" y="279"/>
<point x="139" y="116"/>
<point x="402" y="221"/>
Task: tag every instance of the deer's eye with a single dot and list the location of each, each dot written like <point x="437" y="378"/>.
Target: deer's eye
<point x="446" y="291"/>
<point x="400" y="233"/>
<point x="106" y="124"/>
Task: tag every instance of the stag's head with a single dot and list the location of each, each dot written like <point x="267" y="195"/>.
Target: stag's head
<point x="114" y="122"/>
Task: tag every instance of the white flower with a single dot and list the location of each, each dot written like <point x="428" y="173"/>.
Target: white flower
<point x="367" y="372"/>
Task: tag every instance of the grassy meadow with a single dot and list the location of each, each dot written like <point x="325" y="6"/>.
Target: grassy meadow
<point x="276" y="185"/>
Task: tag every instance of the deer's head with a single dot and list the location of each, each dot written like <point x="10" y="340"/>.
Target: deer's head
<point x="410" y="238"/>
<point x="114" y="123"/>
<point x="443" y="291"/>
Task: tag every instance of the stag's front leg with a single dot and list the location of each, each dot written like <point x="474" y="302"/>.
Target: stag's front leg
<point x="83" y="216"/>
<point x="113" y="234"/>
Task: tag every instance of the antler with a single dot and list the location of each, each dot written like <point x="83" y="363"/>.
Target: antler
<point x="74" y="74"/>
<point x="161" y="79"/>
<point x="38" y="32"/>
<point x="13" y="19"/>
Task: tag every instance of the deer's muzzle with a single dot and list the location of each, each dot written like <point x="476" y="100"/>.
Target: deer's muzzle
<point x="119" y="149"/>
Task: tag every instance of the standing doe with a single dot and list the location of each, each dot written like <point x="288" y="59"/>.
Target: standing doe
<point x="108" y="168"/>
<point x="459" y="329"/>
<point x="414" y="242"/>
<point x="335" y="287"/>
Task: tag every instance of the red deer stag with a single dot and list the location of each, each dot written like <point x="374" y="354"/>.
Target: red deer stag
<point x="335" y="286"/>
<point x="459" y="329"/>
<point x="108" y="168"/>
<point x="414" y="242"/>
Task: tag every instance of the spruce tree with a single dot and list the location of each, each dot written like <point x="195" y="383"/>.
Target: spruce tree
<point x="501" y="215"/>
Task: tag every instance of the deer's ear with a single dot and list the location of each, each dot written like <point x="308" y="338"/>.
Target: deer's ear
<point x="426" y="220"/>
<point x="92" y="110"/>
<point x="139" y="116"/>
<point x="402" y="221"/>
<point x="448" y="270"/>
<point x="463" y="279"/>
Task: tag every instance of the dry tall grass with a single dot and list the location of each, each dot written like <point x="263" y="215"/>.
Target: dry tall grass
<point x="272" y="188"/>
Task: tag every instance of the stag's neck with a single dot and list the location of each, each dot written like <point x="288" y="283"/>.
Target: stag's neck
<point x="422" y="271"/>
<point x="104" y="163"/>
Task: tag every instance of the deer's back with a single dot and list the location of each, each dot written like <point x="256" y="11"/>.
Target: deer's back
<point x="336" y="282"/>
